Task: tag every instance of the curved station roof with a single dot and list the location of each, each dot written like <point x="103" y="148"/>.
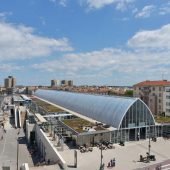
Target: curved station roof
<point x="106" y="109"/>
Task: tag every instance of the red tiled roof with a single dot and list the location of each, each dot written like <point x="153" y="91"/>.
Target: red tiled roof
<point x="153" y="83"/>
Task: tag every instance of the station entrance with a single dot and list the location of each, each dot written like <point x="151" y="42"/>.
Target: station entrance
<point x="136" y="134"/>
<point x="142" y="133"/>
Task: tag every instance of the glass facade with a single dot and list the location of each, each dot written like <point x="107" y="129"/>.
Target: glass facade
<point x="138" y="115"/>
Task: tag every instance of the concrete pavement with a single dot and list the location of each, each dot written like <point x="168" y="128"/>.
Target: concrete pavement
<point x="8" y="147"/>
<point x="127" y="157"/>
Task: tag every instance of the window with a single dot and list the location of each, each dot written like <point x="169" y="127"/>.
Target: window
<point x="159" y="106"/>
<point x="168" y="110"/>
<point x="153" y="88"/>
<point x="160" y="88"/>
<point x="159" y="94"/>
<point x="167" y="90"/>
<point x="167" y="103"/>
<point x="159" y="100"/>
<point x="168" y="97"/>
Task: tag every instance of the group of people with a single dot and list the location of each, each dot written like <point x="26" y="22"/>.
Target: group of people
<point x="111" y="163"/>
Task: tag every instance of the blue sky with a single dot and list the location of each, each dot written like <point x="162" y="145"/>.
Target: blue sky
<point x="102" y="42"/>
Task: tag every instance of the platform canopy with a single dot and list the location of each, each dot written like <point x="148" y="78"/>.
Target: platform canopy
<point x="111" y="110"/>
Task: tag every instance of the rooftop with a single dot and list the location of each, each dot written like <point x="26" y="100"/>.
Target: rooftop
<point x="106" y="109"/>
<point x="153" y="83"/>
<point x="18" y="99"/>
<point x="81" y="125"/>
<point x="25" y="97"/>
<point x="48" y="107"/>
<point x="40" y="118"/>
<point x="161" y="119"/>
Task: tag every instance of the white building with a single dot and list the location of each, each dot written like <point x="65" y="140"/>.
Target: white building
<point x="166" y="101"/>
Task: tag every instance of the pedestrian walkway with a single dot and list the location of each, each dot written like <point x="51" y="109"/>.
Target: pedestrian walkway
<point x="10" y="149"/>
<point x="165" y="167"/>
<point x="24" y="155"/>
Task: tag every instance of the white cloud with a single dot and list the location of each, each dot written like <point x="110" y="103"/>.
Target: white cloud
<point x="110" y="61"/>
<point x="63" y="3"/>
<point x="164" y="9"/>
<point x="20" y="42"/>
<point x="97" y="4"/>
<point x="146" y="12"/>
<point x="9" y="67"/>
<point x="60" y="2"/>
<point x="158" y="39"/>
<point x="123" y="4"/>
<point x="106" y="62"/>
<point x="4" y="15"/>
<point x="135" y="10"/>
<point x="43" y="21"/>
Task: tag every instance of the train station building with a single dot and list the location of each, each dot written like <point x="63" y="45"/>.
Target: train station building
<point x="117" y="118"/>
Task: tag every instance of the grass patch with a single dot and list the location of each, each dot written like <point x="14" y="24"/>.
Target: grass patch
<point x="48" y="107"/>
<point x="162" y="119"/>
<point x="77" y="124"/>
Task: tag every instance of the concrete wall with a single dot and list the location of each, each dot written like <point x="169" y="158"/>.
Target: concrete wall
<point x="46" y="148"/>
<point x="29" y="128"/>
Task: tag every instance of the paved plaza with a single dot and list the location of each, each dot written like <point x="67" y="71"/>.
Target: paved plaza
<point x="8" y="148"/>
<point x="127" y="157"/>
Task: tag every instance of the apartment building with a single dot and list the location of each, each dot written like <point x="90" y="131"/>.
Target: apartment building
<point x="156" y="94"/>
<point x="166" y="99"/>
<point x="64" y="82"/>
<point x="10" y="82"/>
<point x="70" y="82"/>
<point x="55" y="83"/>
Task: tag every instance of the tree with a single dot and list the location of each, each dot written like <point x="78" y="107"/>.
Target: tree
<point x="129" y="93"/>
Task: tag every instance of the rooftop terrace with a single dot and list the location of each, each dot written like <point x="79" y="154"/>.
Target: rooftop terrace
<point x="162" y="119"/>
<point x="77" y="124"/>
<point x="48" y="107"/>
<point x="80" y="125"/>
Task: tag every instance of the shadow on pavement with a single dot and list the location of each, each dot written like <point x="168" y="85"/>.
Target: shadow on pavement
<point x="22" y="140"/>
<point x="12" y="122"/>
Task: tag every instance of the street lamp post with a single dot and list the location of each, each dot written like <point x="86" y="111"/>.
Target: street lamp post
<point x="149" y="146"/>
<point x="17" y="149"/>
<point x="101" y="163"/>
<point x="101" y="156"/>
<point x="17" y="154"/>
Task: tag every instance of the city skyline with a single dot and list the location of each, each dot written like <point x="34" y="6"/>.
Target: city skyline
<point x="101" y="42"/>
